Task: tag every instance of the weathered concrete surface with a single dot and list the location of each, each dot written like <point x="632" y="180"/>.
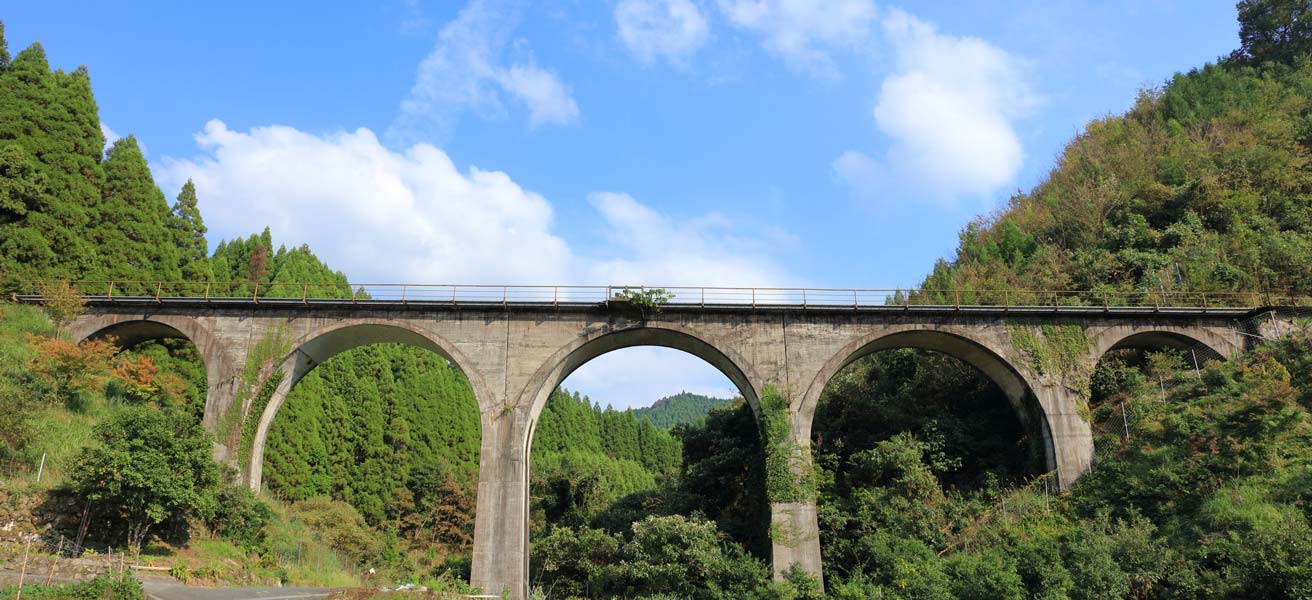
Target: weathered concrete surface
<point x="514" y="356"/>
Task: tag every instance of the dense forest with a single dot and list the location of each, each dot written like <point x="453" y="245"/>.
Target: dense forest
<point x="928" y="483"/>
<point x="684" y="408"/>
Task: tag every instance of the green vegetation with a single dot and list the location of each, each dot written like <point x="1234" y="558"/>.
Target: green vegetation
<point x="149" y="466"/>
<point x="98" y="588"/>
<point x="788" y="473"/>
<point x="684" y="408"/>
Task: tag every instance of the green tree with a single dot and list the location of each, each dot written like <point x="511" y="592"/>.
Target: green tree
<point x="140" y="245"/>
<point x="149" y="466"/>
<point x="189" y="236"/>
<point x="1274" y="30"/>
<point x="52" y="117"/>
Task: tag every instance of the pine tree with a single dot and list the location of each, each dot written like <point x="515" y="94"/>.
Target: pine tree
<point x="189" y="236"/>
<point x="53" y="118"/>
<point x="134" y="235"/>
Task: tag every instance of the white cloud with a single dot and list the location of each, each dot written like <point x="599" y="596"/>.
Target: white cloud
<point x="638" y="376"/>
<point x="672" y="29"/>
<point x="464" y="71"/>
<point x="375" y="214"/>
<point x="547" y="99"/>
<point x="111" y="136"/>
<point x="385" y="216"/>
<point x="949" y="111"/>
<point x="413" y="216"/>
<point x="802" y="31"/>
<point x="654" y="249"/>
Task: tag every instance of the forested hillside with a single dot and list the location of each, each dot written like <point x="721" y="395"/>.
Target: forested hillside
<point x="684" y="408"/>
<point x="1202" y="186"/>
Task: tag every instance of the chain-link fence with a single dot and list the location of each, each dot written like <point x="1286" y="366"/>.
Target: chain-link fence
<point x="1176" y="366"/>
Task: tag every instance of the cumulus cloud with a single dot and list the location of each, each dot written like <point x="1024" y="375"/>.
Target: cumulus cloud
<point x="651" y="29"/>
<point x="651" y="248"/>
<point x="413" y="216"/>
<point x="949" y="111"/>
<point x="801" y="31"/>
<point x="465" y="71"/>
<point x="374" y="213"/>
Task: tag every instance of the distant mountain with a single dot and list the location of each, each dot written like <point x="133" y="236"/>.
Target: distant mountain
<point x="685" y="407"/>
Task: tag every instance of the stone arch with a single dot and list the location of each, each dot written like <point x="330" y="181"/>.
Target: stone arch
<point x="132" y="330"/>
<point x="322" y="344"/>
<point x="533" y="399"/>
<point x="952" y="342"/>
<point x="1206" y="342"/>
<point x="595" y="343"/>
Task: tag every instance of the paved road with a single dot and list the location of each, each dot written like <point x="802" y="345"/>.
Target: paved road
<point x="174" y="591"/>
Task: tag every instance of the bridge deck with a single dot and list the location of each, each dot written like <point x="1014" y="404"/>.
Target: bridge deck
<point x="251" y="303"/>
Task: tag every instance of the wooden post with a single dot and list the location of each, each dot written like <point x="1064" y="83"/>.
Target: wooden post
<point x="22" y="573"/>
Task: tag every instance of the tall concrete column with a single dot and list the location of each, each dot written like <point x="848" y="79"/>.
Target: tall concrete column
<point x="795" y="538"/>
<point x="795" y="526"/>
<point x="222" y="380"/>
<point x="500" y="560"/>
<point x="1070" y="443"/>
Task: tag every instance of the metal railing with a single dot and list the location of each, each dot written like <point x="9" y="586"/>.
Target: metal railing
<point x="457" y="294"/>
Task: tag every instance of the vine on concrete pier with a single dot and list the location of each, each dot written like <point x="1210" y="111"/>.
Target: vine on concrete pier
<point x="261" y="367"/>
<point x="789" y="476"/>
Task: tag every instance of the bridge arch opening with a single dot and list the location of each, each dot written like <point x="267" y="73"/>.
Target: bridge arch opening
<point x="636" y="465"/>
<point x="182" y="372"/>
<point x="379" y="416"/>
<point x="904" y="423"/>
<point x="963" y="379"/>
<point x="1143" y="363"/>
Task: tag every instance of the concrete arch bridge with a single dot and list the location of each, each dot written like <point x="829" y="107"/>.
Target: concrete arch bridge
<point x="516" y="345"/>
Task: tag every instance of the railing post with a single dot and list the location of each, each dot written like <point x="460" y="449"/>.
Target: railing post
<point x="855" y="303"/>
<point x="111" y="291"/>
<point x="753" y="298"/>
<point x="505" y="294"/>
<point x="305" y="293"/>
<point x="255" y="295"/>
<point x="453" y="295"/>
<point x="803" y="298"/>
<point x="159" y="285"/>
<point x="956" y="294"/>
<point x="555" y="296"/>
<point x="703" y="298"/>
<point x="207" y="290"/>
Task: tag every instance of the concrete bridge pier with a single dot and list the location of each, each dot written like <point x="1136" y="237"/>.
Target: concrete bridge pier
<point x="1067" y="437"/>
<point x="500" y="555"/>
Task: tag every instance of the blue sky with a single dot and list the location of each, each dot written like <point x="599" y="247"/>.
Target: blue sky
<point x="680" y="142"/>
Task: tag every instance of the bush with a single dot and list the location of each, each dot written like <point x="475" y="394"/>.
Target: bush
<point x="240" y="517"/>
<point x="99" y="588"/>
<point x="341" y="527"/>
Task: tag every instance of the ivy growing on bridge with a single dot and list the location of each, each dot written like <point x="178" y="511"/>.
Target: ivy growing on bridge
<point x="789" y="474"/>
<point x="260" y="376"/>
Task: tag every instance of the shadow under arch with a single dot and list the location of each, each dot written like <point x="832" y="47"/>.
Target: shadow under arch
<point x="1204" y="344"/>
<point x="320" y="345"/>
<point x="958" y="345"/>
